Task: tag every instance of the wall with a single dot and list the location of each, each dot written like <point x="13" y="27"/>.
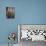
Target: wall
<point x="31" y="11"/>
<point x="27" y="12"/>
<point x="6" y="25"/>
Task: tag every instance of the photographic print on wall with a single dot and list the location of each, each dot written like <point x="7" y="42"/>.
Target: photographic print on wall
<point x="10" y="12"/>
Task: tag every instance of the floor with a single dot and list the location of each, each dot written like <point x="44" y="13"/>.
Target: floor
<point x="30" y="43"/>
<point x="7" y="45"/>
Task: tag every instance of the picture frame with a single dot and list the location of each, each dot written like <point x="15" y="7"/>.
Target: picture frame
<point x="10" y="12"/>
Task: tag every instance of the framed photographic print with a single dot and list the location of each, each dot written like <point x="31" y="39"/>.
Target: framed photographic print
<point x="10" y="12"/>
